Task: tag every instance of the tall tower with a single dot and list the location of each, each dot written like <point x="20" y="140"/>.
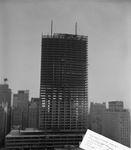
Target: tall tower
<point x="63" y="84"/>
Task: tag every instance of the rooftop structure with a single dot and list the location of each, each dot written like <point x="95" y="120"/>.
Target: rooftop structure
<point x="66" y="36"/>
<point x="116" y="105"/>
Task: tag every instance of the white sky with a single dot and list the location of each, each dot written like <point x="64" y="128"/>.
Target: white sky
<point x="107" y="24"/>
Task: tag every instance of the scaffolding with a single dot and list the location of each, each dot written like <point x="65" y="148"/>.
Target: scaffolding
<point x="63" y="85"/>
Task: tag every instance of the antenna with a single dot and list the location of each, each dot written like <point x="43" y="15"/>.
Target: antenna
<point x="76" y="28"/>
<point x="51" y="27"/>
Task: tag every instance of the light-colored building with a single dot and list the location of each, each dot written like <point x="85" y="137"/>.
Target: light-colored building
<point x="116" y="123"/>
<point x="96" y="112"/>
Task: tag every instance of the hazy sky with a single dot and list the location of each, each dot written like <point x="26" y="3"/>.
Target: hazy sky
<point x="107" y="24"/>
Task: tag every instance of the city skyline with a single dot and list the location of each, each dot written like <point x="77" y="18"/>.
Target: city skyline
<point x="106" y="24"/>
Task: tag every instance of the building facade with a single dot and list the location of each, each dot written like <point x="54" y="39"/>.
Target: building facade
<point x="96" y="112"/>
<point x="15" y="100"/>
<point x="63" y="85"/>
<point x="5" y="95"/>
<point x="5" y="111"/>
<point x="32" y="139"/>
<point x="116" y="123"/>
<point x="2" y="125"/>
<point x="20" y="109"/>
<point x="33" y="117"/>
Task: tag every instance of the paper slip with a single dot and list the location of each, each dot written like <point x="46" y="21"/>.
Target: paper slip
<point x="95" y="141"/>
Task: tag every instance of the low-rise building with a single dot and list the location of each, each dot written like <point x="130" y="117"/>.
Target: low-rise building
<point x="38" y="139"/>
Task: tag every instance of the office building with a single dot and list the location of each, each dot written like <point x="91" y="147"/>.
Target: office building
<point x="5" y="126"/>
<point x="116" y="123"/>
<point x="15" y="100"/>
<point x="2" y="125"/>
<point x="5" y="108"/>
<point x="5" y="95"/>
<point x="96" y="112"/>
<point x="33" y="139"/>
<point x="20" y="109"/>
<point x="23" y="98"/>
<point x="33" y="117"/>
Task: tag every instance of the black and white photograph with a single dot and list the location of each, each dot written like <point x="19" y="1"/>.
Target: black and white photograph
<point x="65" y="71"/>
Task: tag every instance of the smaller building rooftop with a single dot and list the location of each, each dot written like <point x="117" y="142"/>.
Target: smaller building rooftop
<point x="31" y="132"/>
<point x="27" y="131"/>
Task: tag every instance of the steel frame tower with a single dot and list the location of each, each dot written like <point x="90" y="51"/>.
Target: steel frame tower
<point x="63" y="83"/>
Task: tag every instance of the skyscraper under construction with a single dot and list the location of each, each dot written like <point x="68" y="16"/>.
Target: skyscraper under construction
<point x="63" y="92"/>
<point x="63" y="85"/>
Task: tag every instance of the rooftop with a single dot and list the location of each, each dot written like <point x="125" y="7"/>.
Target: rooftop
<point x="66" y="36"/>
<point x="26" y="132"/>
<point x="31" y="132"/>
